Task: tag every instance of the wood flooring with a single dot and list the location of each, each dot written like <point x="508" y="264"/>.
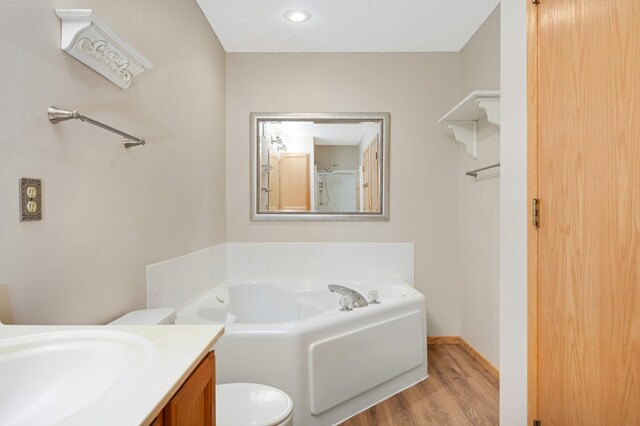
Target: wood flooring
<point x="458" y="392"/>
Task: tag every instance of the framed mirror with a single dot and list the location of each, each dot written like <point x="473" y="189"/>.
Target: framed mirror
<point x="320" y="166"/>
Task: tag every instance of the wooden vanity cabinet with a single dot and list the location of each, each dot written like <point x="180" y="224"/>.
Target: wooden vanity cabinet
<point x="194" y="403"/>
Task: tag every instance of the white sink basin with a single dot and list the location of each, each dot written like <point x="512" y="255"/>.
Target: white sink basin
<point x="45" y="378"/>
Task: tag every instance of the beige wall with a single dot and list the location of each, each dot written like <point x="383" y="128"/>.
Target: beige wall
<point x="479" y="202"/>
<point x="417" y="89"/>
<point x="108" y="212"/>
<point x="345" y="156"/>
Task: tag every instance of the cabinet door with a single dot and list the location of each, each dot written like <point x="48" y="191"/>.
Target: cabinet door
<point x="158" y="420"/>
<point x="193" y="404"/>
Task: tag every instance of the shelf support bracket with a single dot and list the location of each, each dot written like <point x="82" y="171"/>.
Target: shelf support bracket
<point x="491" y="106"/>
<point x="466" y="132"/>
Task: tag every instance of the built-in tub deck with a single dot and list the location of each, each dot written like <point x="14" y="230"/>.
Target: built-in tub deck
<point x="292" y="335"/>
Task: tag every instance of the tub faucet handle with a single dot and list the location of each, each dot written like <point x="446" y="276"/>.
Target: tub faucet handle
<point x="346" y="304"/>
<point x="373" y="297"/>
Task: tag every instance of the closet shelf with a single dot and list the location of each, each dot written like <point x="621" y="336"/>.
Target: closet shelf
<point x="463" y="118"/>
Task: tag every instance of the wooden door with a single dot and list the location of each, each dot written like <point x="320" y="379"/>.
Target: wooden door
<point x="193" y="404"/>
<point x="366" y="190"/>
<point x="586" y="275"/>
<point x="274" y="183"/>
<point x="374" y="181"/>
<point x="294" y="181"/>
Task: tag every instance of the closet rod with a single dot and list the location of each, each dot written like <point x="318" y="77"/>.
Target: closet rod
<point x="474" y="173"/>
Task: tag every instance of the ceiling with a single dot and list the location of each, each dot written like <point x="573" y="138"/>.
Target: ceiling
<point x="325" y="133"/>
<point x="347" y="25"/>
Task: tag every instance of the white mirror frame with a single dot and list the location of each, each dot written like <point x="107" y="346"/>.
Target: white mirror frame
<point x="383" y="215"/>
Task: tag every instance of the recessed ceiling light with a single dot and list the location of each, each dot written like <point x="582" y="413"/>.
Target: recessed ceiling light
<point x="297" y="16"/>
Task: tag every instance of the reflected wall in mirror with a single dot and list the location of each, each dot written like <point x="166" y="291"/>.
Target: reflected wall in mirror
<point x="320" y="166"/>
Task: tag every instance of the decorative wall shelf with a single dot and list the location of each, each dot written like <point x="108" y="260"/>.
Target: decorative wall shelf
<point x="463" y="118"/>
<point x="92" y="42"/>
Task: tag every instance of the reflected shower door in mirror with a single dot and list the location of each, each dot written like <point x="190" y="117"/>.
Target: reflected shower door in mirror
<point x="320" y="166"/>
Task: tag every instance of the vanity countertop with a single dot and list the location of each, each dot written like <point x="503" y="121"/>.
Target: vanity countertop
<point x="157" y="360"/>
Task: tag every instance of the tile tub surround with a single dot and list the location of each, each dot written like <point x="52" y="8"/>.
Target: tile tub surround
<point x="177" y="282"/>
<point x="318" y="261"/>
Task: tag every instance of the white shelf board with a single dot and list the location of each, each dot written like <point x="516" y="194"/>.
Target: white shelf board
<point x="463" y="118"/>
<point x="469" y="108"/>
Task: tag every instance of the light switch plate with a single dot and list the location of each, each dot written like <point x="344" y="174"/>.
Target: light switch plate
<point x="30" y="199"/>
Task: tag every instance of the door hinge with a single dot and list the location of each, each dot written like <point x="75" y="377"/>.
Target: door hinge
<point x="535" y="213"/>
<point x="537" y="423"/>
<point x="536" y="2"/>
<point x="376" y="155"/>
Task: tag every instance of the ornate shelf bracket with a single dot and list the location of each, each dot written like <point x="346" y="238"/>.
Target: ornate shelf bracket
<point x="91" y="41"/>
<point x="463" y="118"/>
<point x="466" y="132"/>
<point x="491" y="106"/>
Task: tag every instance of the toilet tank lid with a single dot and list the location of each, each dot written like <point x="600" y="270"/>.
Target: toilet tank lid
<point x="147" y="317"/>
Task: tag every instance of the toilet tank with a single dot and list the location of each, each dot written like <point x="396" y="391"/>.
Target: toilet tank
<point x="147" y="317"/>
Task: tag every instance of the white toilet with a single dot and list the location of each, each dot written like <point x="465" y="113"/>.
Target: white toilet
<point x="251" y="404"/>
<point x="237" y="404"/>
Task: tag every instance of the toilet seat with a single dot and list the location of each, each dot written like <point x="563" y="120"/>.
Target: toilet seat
<point x="251" y="404"/>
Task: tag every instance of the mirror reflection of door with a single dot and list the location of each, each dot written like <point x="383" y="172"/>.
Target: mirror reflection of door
<point x="294" y="181"/>
<point x="274" y="183"/>
<point x="289" y="182"/>
<point x="366" y="189"/>
<point x="371" y="177"/>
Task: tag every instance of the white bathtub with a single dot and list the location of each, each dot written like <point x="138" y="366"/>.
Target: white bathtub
<point x="292" y="335"/>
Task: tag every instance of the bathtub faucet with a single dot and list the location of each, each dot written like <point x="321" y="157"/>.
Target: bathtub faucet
<point x="358" y="300"/>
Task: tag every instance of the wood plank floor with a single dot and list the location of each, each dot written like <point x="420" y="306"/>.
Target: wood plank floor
<point x="458" y="392"/>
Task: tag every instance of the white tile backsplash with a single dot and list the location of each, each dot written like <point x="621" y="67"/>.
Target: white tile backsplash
<point x="369" y="251"/>
<point x="177" y="282"/>
<point x="312" y="261"/>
